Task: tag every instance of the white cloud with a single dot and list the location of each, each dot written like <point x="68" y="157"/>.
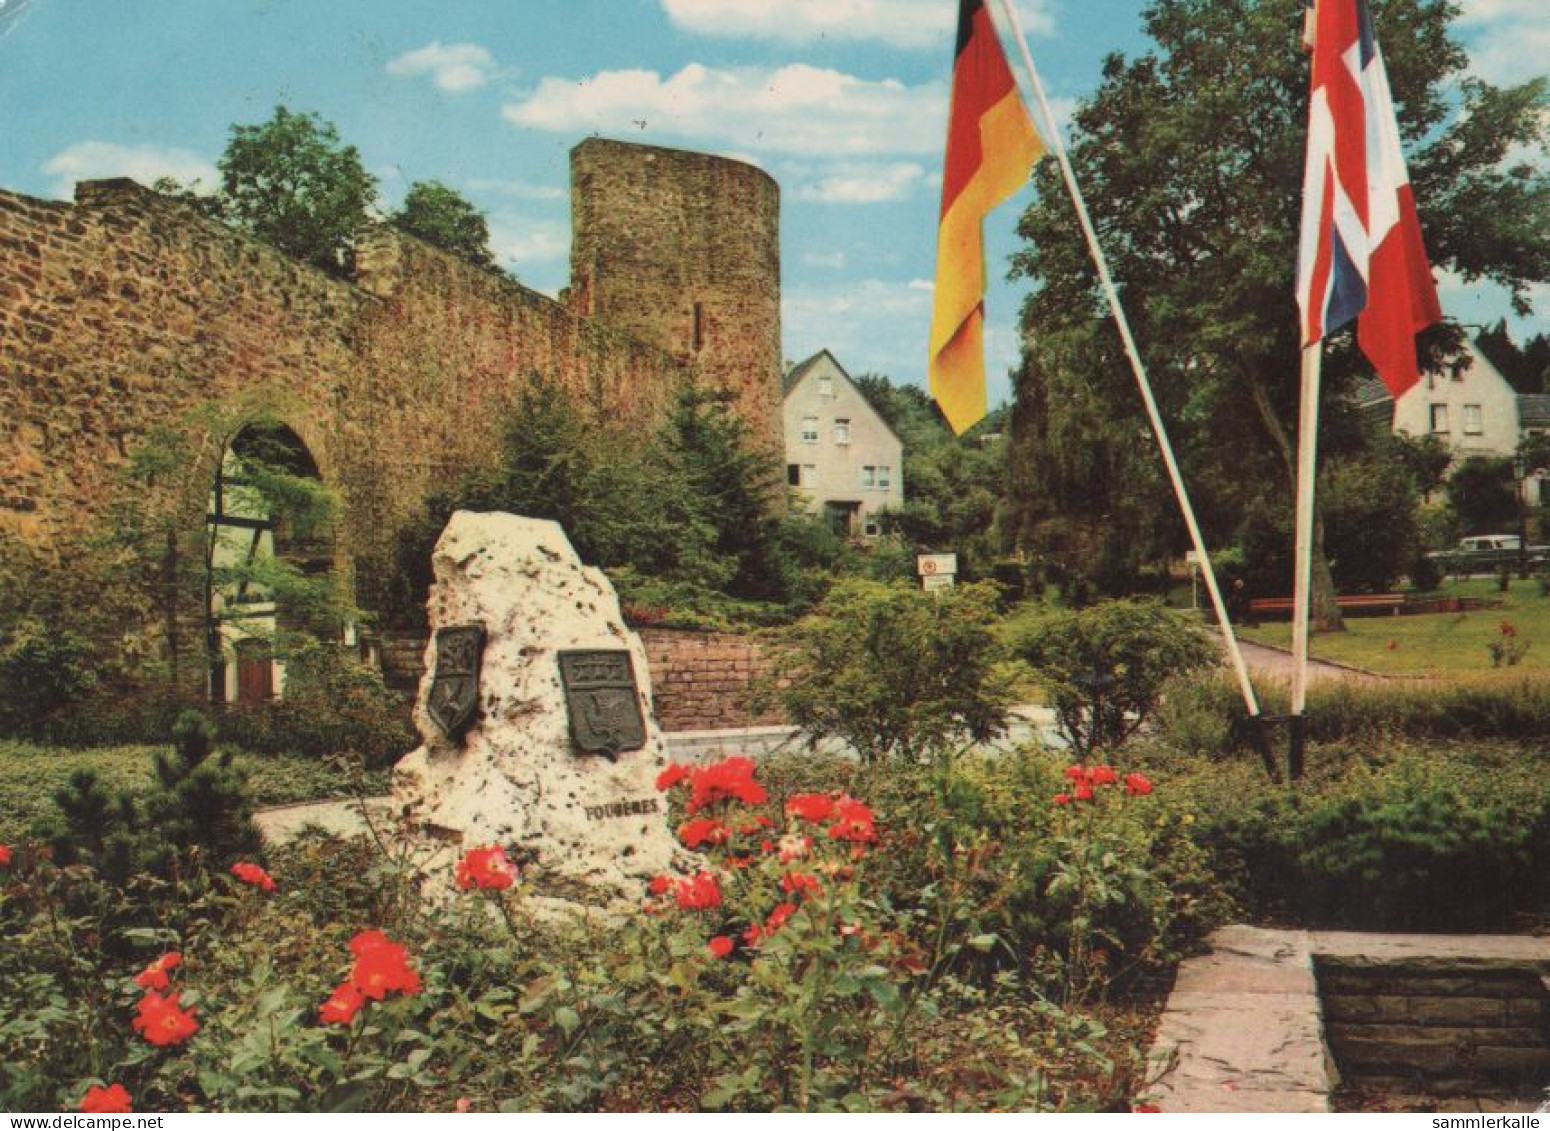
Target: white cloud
<point x="828" y="260"/>
<point x="792" y="109"/>
<point x="924" y="24"/>
<point x="522" y="190"/>
<point x="863" y="183"/>
<point x="871" y="325"/>
<point x="1484" y="11"/>
<point x="1508" y="40"/>
<point x="91" y="160"/>
<point x="518" y="242"/>
<point x="454" y="67"/>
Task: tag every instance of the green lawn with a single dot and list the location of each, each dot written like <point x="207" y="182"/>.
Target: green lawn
<point x="1441" y="644"/>
<point x="29" y="776"/>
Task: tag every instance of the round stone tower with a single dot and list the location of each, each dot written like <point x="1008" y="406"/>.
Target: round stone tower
<point x="682" y="250"/>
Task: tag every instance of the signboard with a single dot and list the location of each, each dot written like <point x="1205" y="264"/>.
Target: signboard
<point x="936" y="565"/>
<point x="453" y="701"/>
<point x="602" y="701"/>
<point x="937" y="581"/>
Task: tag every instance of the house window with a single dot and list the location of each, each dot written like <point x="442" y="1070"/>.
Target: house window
<point x="1472" y="420"/>
<point x="884" y="475"/>
<point x="809" y="474"/>
<point x="1439" y="418"/>
<point x="841" y="431"/>
<point x="794" y="474"/>
<point x="826" y="386"/>
<point x="871" y="529"/>
<point x="869" y="476"/>
<point x="809" y="429"/>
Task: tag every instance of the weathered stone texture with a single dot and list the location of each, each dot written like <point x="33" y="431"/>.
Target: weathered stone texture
<point x="663" y="239"/>
<point x="126" y="310"/>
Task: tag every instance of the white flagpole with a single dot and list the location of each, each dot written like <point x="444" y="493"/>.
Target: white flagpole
<point x="1302" y="585"/>
<point x="1051" y="132"/>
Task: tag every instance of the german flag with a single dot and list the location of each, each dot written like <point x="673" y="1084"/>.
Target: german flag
<point x="991" y="145"/>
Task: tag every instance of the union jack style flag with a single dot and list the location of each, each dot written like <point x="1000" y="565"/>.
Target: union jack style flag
<point x="1361" y="254"/>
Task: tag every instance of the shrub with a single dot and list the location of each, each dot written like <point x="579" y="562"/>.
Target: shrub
<point x="896" y="672"/>
<point x="333" y="704"/>
<point x="1104" y="667"/>
<point x="836" y="1002"/>
<point x="43" y="670"/>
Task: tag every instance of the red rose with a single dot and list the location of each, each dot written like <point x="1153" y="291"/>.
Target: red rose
<point x="1083" y="791"/>
<point x="698" y="892"/>
<point x="794" y="882"/>
<point x="855" y="822"/>
<point x="112" y="1100"/>
<point x="253" y="874"/>
<point x="720" y="946"/>
<point x="1137" y="785"/>
<point x="659" y="884"/>
<point x="368" y="940"/>
<point x="1062" y="799"/>
<point x="777" y="918"/>
<point x="5" y="856"/>
<point x="729" y="779"/>
<point x="704" y="830"/>
<point x="154" y="976"/>
<point x="486" y="869"/>
<point x="814" y="807"/>
<point x="382" y="967"/>
<point x="342" y="1005"/>
<point x="1103" y="775"/>
<point x="161" y="1022"/>
<point x="1076" y="773"/>
<point x="671" y="776"/>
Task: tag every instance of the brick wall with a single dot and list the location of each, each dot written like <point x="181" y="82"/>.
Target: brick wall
<point x="702" y="680"/>
<point x="699" y="680"/>
<point x="1445" y="1026"/>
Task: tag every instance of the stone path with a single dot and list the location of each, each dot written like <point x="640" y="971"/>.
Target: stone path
<point x="1244" y="1031"/>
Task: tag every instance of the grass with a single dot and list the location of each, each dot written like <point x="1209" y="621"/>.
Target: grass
<point x="1435" y="644"/>
<point x="30" y="775"/>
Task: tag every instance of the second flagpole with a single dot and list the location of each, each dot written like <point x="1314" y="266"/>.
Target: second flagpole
<point x="1302" y="578"/>
<point x="1051" y="129"/>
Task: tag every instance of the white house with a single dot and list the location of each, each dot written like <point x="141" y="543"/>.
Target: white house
<point x="1474" y="411"/>
<point x="842" y="458"/>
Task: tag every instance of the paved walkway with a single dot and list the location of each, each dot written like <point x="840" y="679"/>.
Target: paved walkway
<point x="1244" y="1027"/>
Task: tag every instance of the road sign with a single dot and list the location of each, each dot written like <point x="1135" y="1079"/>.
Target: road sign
<point x="936" y="581"/>
<point x="936" y="565"/>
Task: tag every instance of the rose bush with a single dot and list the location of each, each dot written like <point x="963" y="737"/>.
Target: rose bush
<point x="782" y="969"/>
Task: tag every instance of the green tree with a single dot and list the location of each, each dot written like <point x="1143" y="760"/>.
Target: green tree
<point x="292" y="183"/>
<point x="731" y="486"/>
<point x="1105" y="666"/>
<point x="897" y="672"/>
<point x="1483" y="494"/>
<point x="442" y="217"/>
<point x="1191" y="157"/>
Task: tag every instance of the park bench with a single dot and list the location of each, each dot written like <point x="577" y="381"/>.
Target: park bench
<point x="1355" y="603"/>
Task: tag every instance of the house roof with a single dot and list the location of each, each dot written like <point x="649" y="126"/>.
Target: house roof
<point x="1368" y="391"/>
<point x="798" y="373"/>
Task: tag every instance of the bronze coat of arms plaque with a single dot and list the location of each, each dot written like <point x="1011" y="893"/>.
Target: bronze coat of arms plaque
<point x="453" y="702"/>
<point x="602" y="701"/>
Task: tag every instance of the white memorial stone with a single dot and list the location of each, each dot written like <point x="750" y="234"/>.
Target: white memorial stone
<point x="516" y="778"/>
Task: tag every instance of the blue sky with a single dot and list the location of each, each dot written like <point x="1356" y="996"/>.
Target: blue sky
<point x="843" y="101"/>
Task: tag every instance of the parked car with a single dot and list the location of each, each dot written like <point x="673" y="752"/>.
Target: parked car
<point x="1488" y="553"/>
